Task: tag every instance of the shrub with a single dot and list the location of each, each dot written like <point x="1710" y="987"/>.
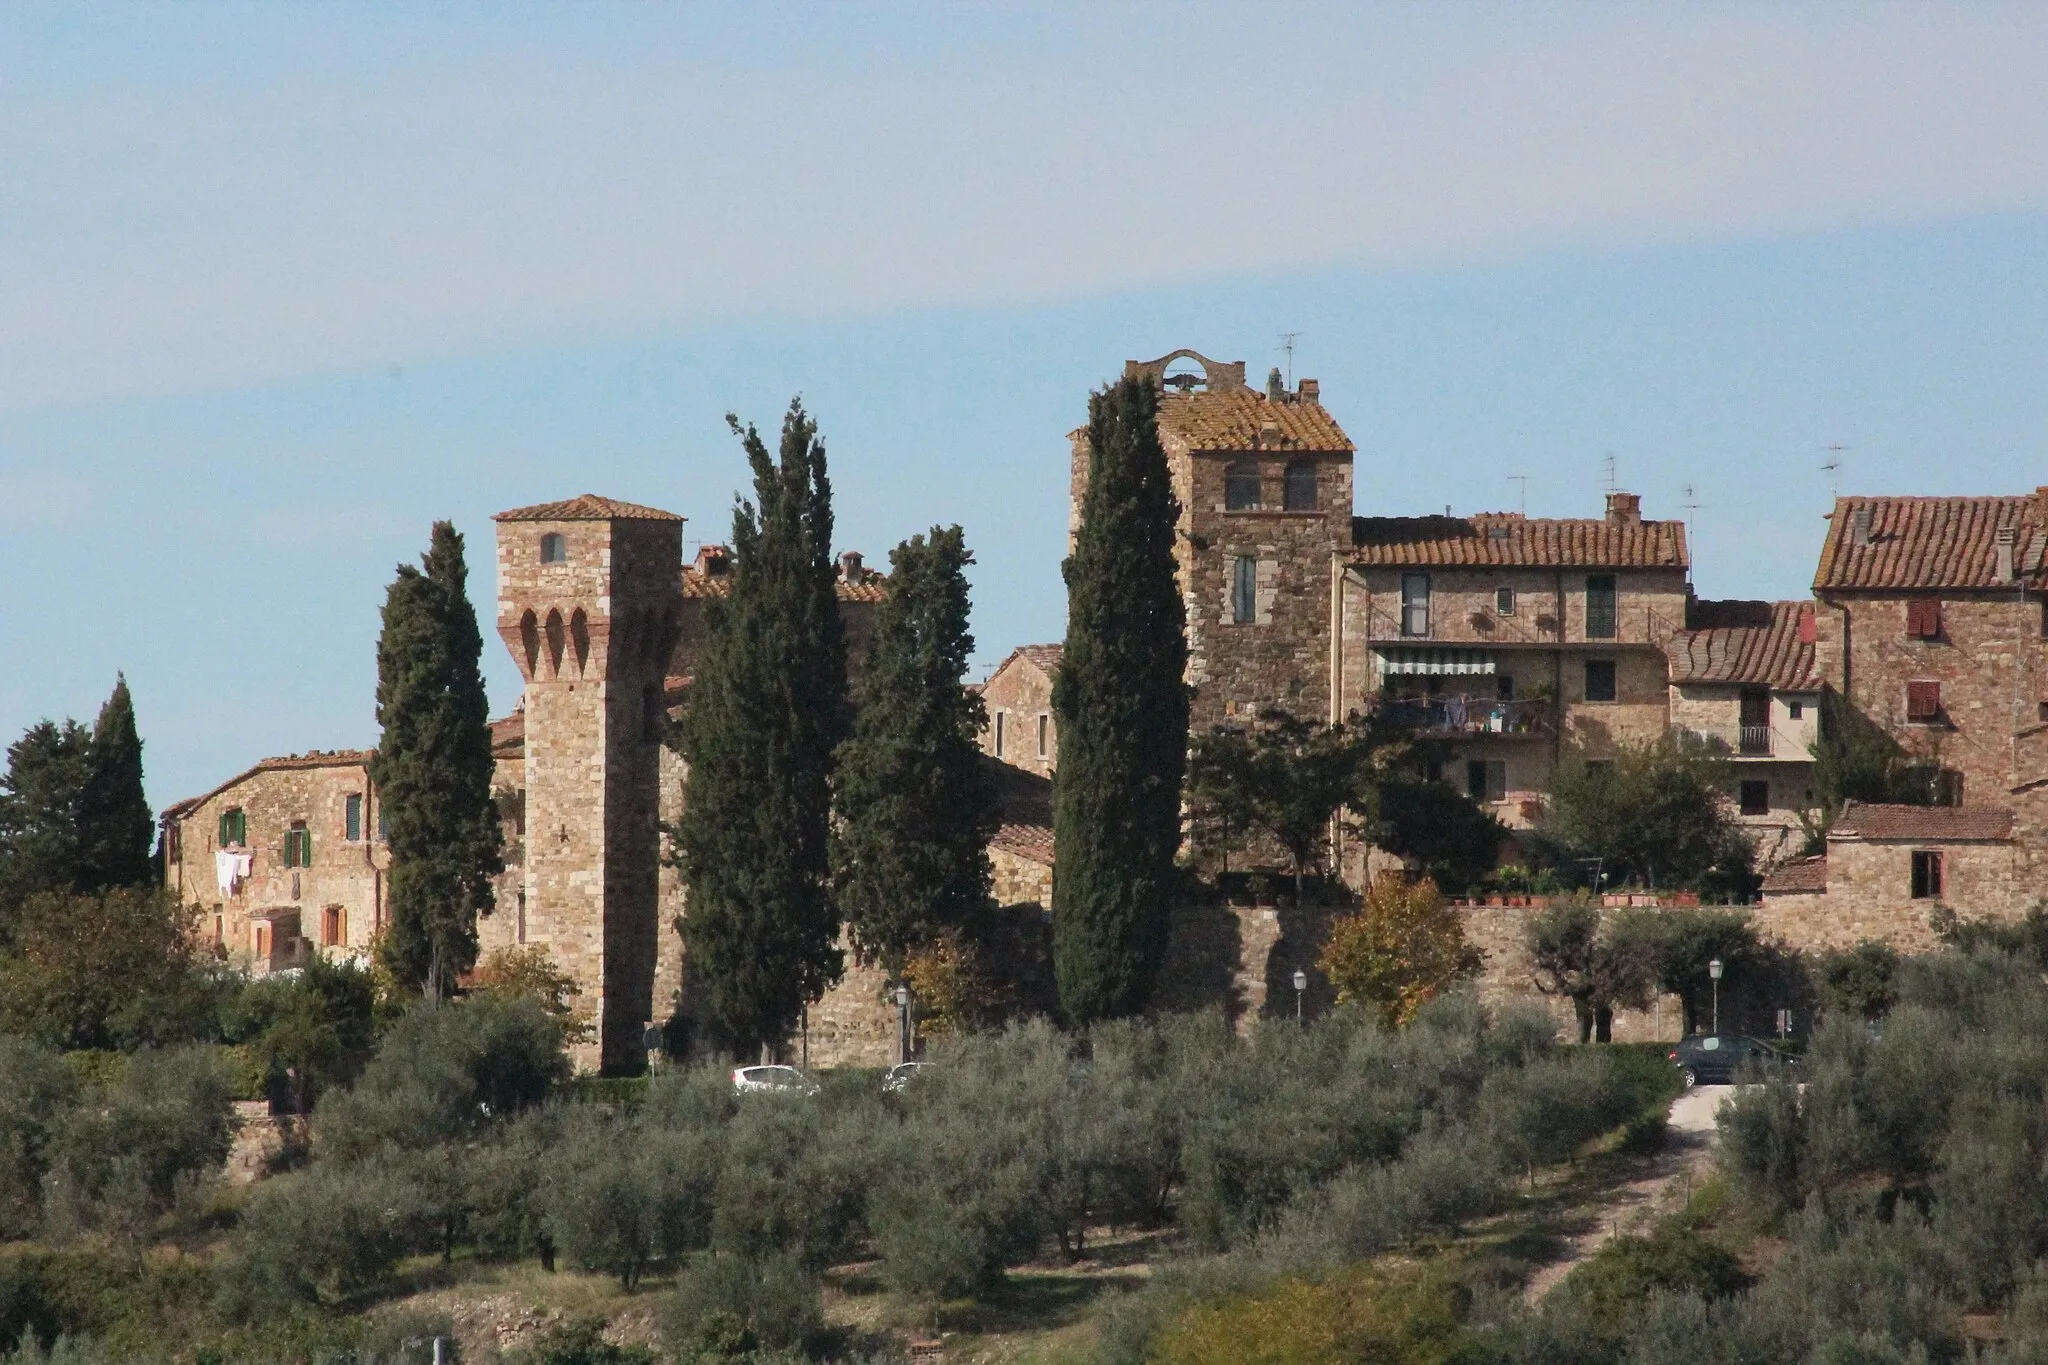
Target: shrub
<point x="731" y="1305"/>
<point x="120" y="1159"/>
<point x="36" y="1091"/>
<point x="1763" y="1145"/>
<point x="323" y="1236"/>
<point x="624" y="1195"/>
<point x="1401" y="948"/>
<point x="308" y="1032"/>
<point x="1358" y="1314"/>
<point x="1615" y="1280"/>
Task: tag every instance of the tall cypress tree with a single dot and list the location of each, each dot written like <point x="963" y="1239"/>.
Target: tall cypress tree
<point x="1123" y="714"/>
<point x="115" y="823"/>
<point x="766" y="710"/>
<point x="432" y="770"/>
<point x="916" y="804"/>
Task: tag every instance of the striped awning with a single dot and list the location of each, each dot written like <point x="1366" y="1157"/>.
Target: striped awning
<point x="1403" y="660"/>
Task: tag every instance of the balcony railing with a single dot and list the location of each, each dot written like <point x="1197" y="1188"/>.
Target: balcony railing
<point x="1462" y="715"/>
<point x="1755" y="740"/>
<point x="1630" y="624"/>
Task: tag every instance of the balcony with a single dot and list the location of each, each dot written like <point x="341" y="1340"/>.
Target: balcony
<point x="1626" y="624"/>
<point x="1469" y="717"/>
<point x="1754" y="741"/>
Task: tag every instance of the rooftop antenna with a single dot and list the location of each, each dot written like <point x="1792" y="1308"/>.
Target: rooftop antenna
<point x="1287" y="349"/>
<point x="1609" y="463"/>
<point x="1833" y="469"/>
<point x="1521" y="482"/>
<point x="1691" y="505"/>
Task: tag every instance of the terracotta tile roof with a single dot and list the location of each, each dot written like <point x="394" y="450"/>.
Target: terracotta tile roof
<point x="874" y="588"/>
<point x="1930" y="542"/>
<point x="1509" y="539"/>
<point x="1930" y="824"/>
<point x="312" y="758"/>
<point x="1031" y="842"/>
<point x="1766" y="643"/>
<point x="1045" y="658"/>
<point x="1239" y="419"/>
<point x="508" y="734"/>
<point x="1798" y="877"/>
<point x="587" y="507"/>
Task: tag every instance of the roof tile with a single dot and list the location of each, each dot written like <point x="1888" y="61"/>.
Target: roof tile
<point x="1747" y="642"/>
<point x="1930" y="542"/>
<point x="1931" y="824"/>
<point x="1238" y="419"/>
<point x="1509" y="540"/>
<point x="1798" y="877"/>
<point x="587" y="507"/>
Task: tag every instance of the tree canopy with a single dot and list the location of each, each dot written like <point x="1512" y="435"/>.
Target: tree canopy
<point x="1655" y="814"/>
<point x="432" y="769"/>
<point x="765" y="714"/>
<point x="1122" y="706"/>
<point x="1400" y="949"/>
<point x="916" y="804"/>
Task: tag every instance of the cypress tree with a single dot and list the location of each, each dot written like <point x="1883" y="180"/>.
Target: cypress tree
<point x="916" y="804"/>
<point x="1123" y="715"/>
<point x="766" y="710"/>
<point x="432" y="769"/>
<point x="115" y="822"/>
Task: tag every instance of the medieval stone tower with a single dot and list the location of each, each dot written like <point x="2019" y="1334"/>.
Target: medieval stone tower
<point x="1264" y="483"/>
<point x="589" y="606"/>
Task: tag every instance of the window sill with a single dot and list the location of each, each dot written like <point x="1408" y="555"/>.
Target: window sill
<point x="1305" y="514"/>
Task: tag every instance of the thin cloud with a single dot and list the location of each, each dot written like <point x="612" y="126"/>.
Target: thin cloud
<point x="170" y="239"/>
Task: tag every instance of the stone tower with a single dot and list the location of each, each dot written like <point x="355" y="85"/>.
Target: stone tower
<point x="589" y="599"/>
<point x="1264" y="482"/>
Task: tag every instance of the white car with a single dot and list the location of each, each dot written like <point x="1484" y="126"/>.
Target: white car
<point x="772" y="1080"/>
<point x="901" y="1075"/>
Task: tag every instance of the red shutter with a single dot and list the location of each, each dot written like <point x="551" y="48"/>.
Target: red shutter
<point x="1923" y="700"/>
<point x="1923" y="618"/>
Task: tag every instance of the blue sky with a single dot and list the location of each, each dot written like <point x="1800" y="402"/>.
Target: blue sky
<point x="279" y="285"/>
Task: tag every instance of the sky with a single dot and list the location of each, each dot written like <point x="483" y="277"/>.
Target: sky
<point x="280" y="285"/>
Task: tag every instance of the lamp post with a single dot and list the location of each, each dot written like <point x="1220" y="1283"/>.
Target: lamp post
<point x="902" y="1024"/>
<point x="1300" y="993"/>
<point x="1714" y="970"/>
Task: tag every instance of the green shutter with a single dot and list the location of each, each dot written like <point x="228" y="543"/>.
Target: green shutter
<point x="306" y="847"/>
<point x="223" y="840"/>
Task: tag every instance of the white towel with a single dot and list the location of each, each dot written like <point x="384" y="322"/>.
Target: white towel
<point x="230" y="869"/>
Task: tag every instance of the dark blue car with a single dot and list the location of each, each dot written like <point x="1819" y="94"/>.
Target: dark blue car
<point x="1716" y="1058"/>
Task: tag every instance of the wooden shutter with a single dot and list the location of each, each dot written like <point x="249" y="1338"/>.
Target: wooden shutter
<point x="1923" y="618"/>
<point x="1923" y="700"/>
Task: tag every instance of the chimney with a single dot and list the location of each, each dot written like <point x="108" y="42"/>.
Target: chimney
<point x="1310" y="391"/>
<point x="1859" y="527"/>
<point x="713" y="560"/>
<point x="2002" y="549"/>
<point x="849" y="566"/>
<point x="1624" y="509"/>
<point x="1275" y="390"/>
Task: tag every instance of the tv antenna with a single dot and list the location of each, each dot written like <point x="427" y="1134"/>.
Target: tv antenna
<point x="1609" y="464"/>
<point x="1286" y="348"/>
<point x="1833" y="469"/>
<point x="1521" y="483"/>
<point x="1691" y="505"/>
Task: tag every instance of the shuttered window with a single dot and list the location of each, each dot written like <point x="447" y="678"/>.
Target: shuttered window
<point x="1923" y="701"/>
<point x="352" y="817"/>
<point x="1602" y="607"/>
<point x="1926" y="874"/>
<point x="1923" y="618"/>
<point x="298" y="845"/>
<point x="1244" y="591"/>
<point x="234" y="827"/>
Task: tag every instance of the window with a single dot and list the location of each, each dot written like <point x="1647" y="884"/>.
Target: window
<point x="1923" y="618"/>
<point x="1601" y="609"/>
<point x="1756" y="798"/>
<point x="234" y="827"/>
<point x="261" y="933"/>
<point x="1599" y="680"/>
<point x="298" y="845"/>
<point x="1044" y="735"/>
<point x="1795" y="709"/>
<point x="1415" y="604"/>
<point x="554" y="548"/>
<point x="352" y="817"/>
<point x="1486" y="779"/>
<point x="1432" y="770"/>
<point x="1926" y="874"/>
<point x="1001" y="716"/>
<point x="1301" y="486"/>
<point x="1923" y="701"/>
<point x="1504" y="601"/>
<point x="1244" y="591"/>
<point x="1241" y="487"/>
<point x="1504" y="687"/>
<point x="334" y="926"/>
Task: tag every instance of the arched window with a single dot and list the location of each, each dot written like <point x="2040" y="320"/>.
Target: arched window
<point x="1244" y="591"/>
<point x="554" y="548"/>
<point x="1241" y="486"/>
<point x="556" y="636"/>
<point x="1301" y="486"/>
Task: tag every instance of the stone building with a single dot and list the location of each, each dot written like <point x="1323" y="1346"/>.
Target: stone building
<point x="1019" y="728"/>
<point x="1743" y="677"/>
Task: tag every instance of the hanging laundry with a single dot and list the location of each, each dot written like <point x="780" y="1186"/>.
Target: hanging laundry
<point x="1455" y="716"/>
<point x="230" y="869"/>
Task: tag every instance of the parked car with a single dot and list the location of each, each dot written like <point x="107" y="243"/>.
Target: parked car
<point x="772" y="1080"/>
<point x="901" y="1075"/>
<point x="1716" y="1058"/>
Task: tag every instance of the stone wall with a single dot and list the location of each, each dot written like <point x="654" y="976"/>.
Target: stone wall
<point x="1501" y="932"/>
<point x="1021" y="693"/>
<point x="1869" y="894"/>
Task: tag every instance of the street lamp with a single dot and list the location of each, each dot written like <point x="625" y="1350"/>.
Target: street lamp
<point x="1714" y="970"/>
<point x="902" y="1023"/>
<point x="1300" y="993"/>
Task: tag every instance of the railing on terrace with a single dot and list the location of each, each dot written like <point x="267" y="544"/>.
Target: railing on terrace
<point x="1462" y="715"/>
<point x="1631" y="625"/>
<point x="1755" y="740"/>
